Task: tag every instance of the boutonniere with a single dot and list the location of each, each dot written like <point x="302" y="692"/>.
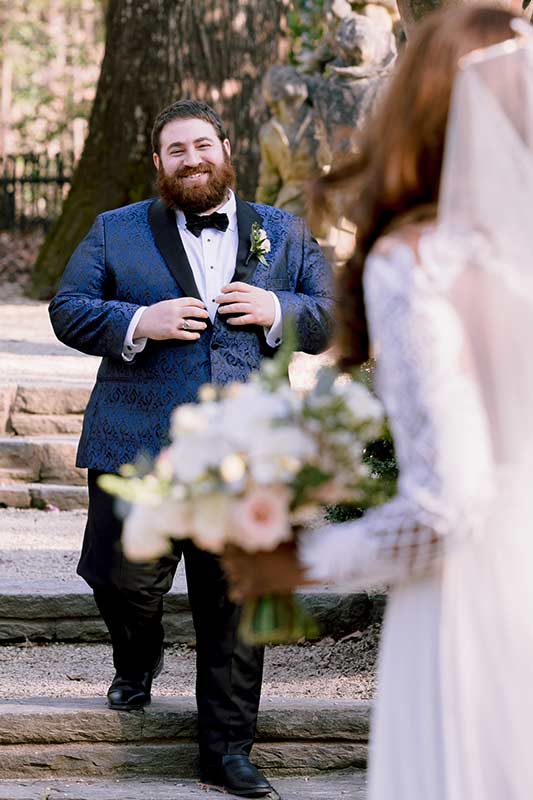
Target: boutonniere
<point x="259" y="244"/>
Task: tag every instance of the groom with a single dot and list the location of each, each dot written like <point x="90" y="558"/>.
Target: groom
<point x="175" y="293"/>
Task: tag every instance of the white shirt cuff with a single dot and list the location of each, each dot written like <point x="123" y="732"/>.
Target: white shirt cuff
<point x="273" y="334"/>
<point x="131" y="348"/>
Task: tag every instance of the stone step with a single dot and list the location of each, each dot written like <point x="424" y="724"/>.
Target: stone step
<point x="47" y="459"/>
<point x="343" y="786"/>
<point x="54" y="611"/>
<point x="42" y="599"/>
<point x="43" y="496"/>
<point x="34" y="409"/>
<point x="40" y="737"/>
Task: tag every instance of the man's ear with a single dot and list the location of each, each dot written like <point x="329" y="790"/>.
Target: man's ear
<point x="227" y="147"/>
<point x="157" y="161"/>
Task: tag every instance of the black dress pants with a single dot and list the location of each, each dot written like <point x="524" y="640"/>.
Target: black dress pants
<point x="130" y="599"/>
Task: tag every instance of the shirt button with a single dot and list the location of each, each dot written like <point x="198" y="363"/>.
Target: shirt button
<point x="211" y="268"/>
<point x="215" y="346"/>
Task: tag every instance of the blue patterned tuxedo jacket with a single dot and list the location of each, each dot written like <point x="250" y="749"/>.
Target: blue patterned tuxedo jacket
<point x="133" y="256"/>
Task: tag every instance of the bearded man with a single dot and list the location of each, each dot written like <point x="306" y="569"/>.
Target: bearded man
<point x="173" y="294"/>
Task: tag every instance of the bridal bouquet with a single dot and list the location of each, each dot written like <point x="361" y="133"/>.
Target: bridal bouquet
<point x="248" y="465"/>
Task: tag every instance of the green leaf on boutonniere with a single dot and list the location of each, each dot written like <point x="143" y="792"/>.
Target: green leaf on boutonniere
<point x="259" y="244"/>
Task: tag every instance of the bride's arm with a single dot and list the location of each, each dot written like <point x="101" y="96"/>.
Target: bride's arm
<point x="439" y="429"/>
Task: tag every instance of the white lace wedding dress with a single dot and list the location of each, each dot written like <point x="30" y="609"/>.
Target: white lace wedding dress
<point x="454" y="705"/>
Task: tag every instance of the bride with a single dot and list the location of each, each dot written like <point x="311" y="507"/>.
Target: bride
<point x="448" y="294"/>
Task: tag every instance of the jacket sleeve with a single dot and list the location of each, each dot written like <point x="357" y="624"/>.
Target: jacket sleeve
<point x="310" y="305"/>
<point x="83" y="313"/>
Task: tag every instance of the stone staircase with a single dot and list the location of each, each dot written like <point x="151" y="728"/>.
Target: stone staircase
<point x="81" y="738"/>
<point x="49" y="611"/>
<point x="73" y="747"/>
<point x="58" y="741"/>
<point x="39" y="430"/>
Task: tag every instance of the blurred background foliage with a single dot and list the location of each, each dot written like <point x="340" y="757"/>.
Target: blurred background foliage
<point x="307" y="23"/>
<point x="50" y="57"/>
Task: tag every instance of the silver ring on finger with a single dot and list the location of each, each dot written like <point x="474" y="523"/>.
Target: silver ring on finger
<point x="185" y="325"/>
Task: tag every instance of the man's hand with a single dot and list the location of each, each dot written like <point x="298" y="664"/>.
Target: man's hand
<point x="173" y="319"/>
<point x="256" y="306"/>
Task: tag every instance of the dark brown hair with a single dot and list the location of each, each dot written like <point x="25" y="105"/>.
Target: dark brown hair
<point x="396" y="173"/>
<point x="186" y="109"/>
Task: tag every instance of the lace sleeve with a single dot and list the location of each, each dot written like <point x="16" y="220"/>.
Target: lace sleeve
<point x="439" y="430"/>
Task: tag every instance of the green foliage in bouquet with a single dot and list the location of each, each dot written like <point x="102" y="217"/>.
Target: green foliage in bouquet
<point x="380" y="458"/>
<point x="276" y="619"/>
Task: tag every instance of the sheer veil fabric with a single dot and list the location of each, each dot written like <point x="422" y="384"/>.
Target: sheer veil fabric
<point x="483" y="246"/>
<point x="452" y="325"/>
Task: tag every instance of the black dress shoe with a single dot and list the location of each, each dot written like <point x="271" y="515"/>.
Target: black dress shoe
<point x="239" y="777"/>
<point x="130" y="694"/>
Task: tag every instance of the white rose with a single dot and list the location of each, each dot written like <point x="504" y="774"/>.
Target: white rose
<point x="264" y="241"/>
<point x="191" y="418"/>
<point x="148" y="529"/>
<point x="210" y="514"/>
<point x="188" y="419"/>
<point x="192" y="456"/>
<point x="273" y="453"/>
<point x="252" y="410"/>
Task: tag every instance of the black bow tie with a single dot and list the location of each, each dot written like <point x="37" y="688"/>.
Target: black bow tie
<point x="197" y="222"/>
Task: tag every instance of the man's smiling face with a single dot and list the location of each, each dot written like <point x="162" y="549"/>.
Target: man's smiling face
<point x="194" y="170"/>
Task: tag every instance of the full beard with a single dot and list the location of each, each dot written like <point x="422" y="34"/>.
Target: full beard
<point x="175" y="192"/>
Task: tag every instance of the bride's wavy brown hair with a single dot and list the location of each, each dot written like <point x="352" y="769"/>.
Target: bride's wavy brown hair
<point x="394" y="178"/>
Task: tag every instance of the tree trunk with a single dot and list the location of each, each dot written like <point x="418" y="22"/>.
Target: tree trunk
<point x="156" y="52"/>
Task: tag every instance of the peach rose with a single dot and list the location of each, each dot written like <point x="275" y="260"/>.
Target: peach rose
<point x="260" y="521"/>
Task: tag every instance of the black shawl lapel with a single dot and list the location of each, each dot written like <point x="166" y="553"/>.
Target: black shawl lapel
<point x="168" y="240"/>
<point x="246" y="216"/>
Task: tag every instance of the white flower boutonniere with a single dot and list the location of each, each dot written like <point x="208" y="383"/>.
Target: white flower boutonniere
<point x="259" y="244"/>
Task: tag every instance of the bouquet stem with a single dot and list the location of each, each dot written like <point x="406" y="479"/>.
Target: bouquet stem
<point x="275" y="619"/>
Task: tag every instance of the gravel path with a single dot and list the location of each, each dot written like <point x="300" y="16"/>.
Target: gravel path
<point x="30" y="351"/>
<point x="40" y="545"/>
<point x="338" y="786"/>
<point x="345" y="669"/>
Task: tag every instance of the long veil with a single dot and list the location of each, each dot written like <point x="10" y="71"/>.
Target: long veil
<point x="483" y="245"/>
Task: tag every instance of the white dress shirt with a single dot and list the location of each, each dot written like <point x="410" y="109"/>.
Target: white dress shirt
<point x="212" y="257"/>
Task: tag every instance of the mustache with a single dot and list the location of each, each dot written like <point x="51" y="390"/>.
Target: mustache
<point x="196" y="196"/>
<point x="188" y="172"/>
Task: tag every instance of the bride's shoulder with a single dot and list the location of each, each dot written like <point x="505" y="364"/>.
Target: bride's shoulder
<point x="399" y="261"/>
<point x="401" y="244"/>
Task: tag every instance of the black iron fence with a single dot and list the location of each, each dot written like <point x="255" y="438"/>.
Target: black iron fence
<point x="32" y="189"/>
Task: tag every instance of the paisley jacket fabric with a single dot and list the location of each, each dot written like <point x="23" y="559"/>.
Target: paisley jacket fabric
<point x="133" y="256"/>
